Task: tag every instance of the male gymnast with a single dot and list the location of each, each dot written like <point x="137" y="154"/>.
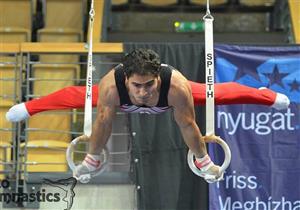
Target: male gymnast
<point x="142" y="84"/>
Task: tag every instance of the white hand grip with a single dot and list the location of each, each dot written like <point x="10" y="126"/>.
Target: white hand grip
<point x="224" y="166"/>
<point x="72" y="165"/>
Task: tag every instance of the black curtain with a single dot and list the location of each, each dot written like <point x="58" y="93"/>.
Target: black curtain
<point x="163" y="178"/>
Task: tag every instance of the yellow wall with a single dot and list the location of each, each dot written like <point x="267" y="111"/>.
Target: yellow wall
<point x="295" y="16"/>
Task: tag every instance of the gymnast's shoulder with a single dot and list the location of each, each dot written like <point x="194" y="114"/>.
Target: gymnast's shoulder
<point x="108" y="92"/>
<point x="180" y="89"/>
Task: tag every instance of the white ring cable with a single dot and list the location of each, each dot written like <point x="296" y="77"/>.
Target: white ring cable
<point x="209" y="73"/>
<point x="87" y="127"/>
<point x="210" y="95"/>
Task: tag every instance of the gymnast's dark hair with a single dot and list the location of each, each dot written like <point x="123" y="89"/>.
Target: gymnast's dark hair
<point x="141" y="62"/>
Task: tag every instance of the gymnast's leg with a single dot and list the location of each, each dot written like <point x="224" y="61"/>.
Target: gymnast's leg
<point x="235" y="93"/>
<point x="225" y="94"/>
<point x="66" y="98"/>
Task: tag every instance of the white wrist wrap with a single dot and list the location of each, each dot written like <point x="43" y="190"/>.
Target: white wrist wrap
<point x="92" y="162"/>
<point x="203" y="163"/>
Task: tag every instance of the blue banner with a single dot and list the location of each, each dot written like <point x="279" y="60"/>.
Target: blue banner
<point x="264" y="173"/>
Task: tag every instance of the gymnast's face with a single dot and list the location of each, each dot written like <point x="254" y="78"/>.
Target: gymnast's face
<point x="142" y="88"/>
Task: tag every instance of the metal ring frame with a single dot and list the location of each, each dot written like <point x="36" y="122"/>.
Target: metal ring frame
<point x="72" y="165"/>
<point x="224" y="166"/>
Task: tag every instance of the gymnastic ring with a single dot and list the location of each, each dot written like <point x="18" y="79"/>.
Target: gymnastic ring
<point x="224" y="166"/>
<point x="72" y="165"/>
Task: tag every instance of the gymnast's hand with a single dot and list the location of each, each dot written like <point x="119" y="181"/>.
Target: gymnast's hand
<point x="90" y="164"/>
<point x="210" y="172"/>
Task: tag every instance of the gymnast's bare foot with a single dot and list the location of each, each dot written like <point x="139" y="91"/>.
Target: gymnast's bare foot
<point x="281" y="101"/>
<point x="17" y="113"/>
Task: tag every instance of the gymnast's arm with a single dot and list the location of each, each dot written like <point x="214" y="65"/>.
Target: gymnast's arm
<point x="106" y="109"/>
<point x="102" y="126"/>
<point x="181" y="99"/>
